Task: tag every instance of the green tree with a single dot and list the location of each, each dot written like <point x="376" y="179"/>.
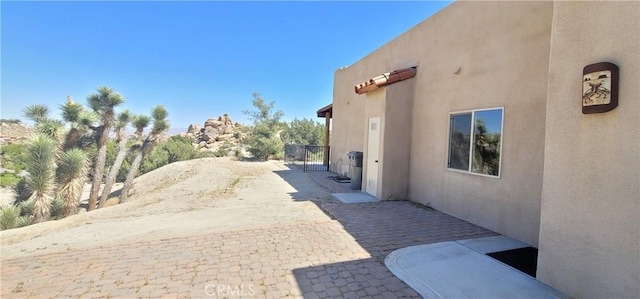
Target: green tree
<point x="303" y="131"/>
<point x="41" y="167"/>
<point x="103" y="103"/>
<point x="159" y="114"/>
<point x="265" y="141"/>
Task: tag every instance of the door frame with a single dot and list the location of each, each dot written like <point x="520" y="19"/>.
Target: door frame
<point x="371" y="160"/>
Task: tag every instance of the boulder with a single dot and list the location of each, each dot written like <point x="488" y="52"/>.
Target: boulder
<point x="193" y="129"/>
<point x="226" y="120"/>
<point x="224" y="137"/>
<point x="209" y="135"/>
<point x="212" y="123"/>
<point x="226" y="129"/>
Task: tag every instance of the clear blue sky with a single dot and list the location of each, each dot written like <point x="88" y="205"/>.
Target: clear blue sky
<point x="199" y="59"/>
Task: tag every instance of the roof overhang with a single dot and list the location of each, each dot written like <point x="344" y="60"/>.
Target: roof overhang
<point x="326" y="109"/>
<point x="385" y="79"/>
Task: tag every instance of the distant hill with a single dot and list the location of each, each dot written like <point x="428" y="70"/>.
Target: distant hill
<point x="14" y="131"/>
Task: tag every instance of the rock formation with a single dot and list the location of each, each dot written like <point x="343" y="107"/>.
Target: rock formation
<point x="214" y="131"/>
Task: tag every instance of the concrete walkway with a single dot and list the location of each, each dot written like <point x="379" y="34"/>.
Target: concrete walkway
<point x="341" y="256"/>
<point x="353" y="197"/>
<point x="461" y="269"/>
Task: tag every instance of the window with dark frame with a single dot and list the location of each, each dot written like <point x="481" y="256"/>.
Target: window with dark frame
<point x="475" y="139"/>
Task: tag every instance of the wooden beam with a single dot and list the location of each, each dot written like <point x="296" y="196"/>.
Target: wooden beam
<point x="327" y="124"/>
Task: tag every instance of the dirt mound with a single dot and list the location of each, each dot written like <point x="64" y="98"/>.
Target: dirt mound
<point x="197" y="182"/>
<point x="183" y="198"/>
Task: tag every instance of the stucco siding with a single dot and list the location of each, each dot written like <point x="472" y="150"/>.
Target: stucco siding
<point x="503" y="53"/>
<point x="346" y="130"/>
<point x="590" y="232"/>
<point x="396" y="161"/>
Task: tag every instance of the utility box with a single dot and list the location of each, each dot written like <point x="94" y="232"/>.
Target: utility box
<point x="355" y="163"/>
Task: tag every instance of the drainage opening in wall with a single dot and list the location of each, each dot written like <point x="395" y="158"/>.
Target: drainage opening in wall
<point x="523" y="259"/>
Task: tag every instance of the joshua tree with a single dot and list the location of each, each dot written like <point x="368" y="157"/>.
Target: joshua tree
<point x="120" y="125"/>
<point x="53" y="128"/>
<point x="82" y="123"/>
<point x="160" y="125"/>
<point x="36" y="112"/>
<point x="71" y="174"/>
<point x="140" y="122"/>
<point x="103" y="102"/>
<point x="39" y="114"/>
<point x="41" y="153"/>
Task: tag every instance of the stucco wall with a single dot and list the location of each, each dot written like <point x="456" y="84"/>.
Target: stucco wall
<point x="396" y="159"/>
<point x="503" y="49"/>
<point x="348" y="113"/>
<point x="590" y="231"/>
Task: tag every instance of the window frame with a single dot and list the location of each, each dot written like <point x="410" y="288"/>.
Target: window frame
<point x="472" y="140"/>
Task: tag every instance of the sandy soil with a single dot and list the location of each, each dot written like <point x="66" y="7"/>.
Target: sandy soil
<point x="184" y="198"/>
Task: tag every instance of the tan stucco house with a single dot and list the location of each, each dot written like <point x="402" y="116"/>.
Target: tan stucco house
<point x="477" y="112"/>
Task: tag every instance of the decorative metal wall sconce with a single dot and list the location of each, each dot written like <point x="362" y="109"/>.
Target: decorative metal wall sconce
<point x="599" y="87"/>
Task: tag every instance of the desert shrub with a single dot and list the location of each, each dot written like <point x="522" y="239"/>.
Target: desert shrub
<point x="13" y="156"/>
<point x="124" y="168"/>
<point x="112" y="152"/>
<point x="179" y="148"/>
<point x="220" y="153"/>
<point x="10" y="218"/>
<point x="154" y="160"/>
<point x="8" y="179"/>
<point x="176" y="148"/>
<point x="237" y="135"/>
<point x="224" y="149"/>
<point x="238" y="153"/>
<point x="23" y="221"/>
<point x="21" y="190"/>
<point x="26" y="208"/>
<point x="57" y="209"/>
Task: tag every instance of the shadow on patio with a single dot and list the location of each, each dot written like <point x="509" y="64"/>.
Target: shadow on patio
<point x="379" y="228"/>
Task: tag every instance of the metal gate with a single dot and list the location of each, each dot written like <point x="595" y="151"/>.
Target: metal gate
<point x="310" y="157"/>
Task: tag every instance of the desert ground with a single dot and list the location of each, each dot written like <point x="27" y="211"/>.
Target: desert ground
<point x="197" y="196"/>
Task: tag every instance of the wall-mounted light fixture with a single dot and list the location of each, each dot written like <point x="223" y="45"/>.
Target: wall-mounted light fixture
<point x="599" y="87"/>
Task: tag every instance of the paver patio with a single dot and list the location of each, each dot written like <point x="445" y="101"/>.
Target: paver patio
<point x="343" y="257"/>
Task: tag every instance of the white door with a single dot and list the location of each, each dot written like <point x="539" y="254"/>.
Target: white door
<point x="373" y="151"/>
